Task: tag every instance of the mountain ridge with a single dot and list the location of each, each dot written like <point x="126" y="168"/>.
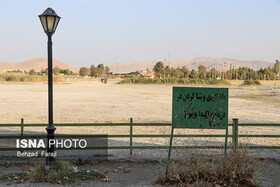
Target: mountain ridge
<point x="41" y="63"/>
<point x="193" y="63"/>
<point x="36" y="63"/>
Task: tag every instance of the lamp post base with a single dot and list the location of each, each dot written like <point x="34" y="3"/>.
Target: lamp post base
<point x="50" y="159"/>
<point x="50" y="163"/>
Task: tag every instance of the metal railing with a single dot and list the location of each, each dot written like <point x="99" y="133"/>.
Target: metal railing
<point x="234" y="135"/>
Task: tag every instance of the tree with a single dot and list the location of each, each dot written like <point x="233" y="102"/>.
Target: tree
<point x="212" y="73"/>
<point x="159" y="68"/>
<point x="202" y="75"/>
<point x="167" y="71"/>
<point x="32" y="72"/>
<point x="269" y="74"/>
<point x="186" y="72"/>
<point x="56" y="70"/>
<point x="93" y="71"/>
<point x="175" y="73"/>
<point x="194" y="74"/>
<point x="100" y="68"/>
<point x="201" y="69"/>
<point x="65" y="71"/>
<point x="107" y="70"/>
<point x="84" y="71"/>
<point x="277" y="67"/>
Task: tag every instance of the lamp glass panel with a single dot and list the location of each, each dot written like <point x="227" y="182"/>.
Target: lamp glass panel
<point x="44" y="23"/>
<point x="50" y="23"/>
<point x="56" y="22"/>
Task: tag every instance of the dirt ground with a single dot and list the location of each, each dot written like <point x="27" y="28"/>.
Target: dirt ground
<point x="94" y="102"/>
<point x="143" y="173"/>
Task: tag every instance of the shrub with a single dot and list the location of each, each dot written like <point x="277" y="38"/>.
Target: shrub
<point x="22" y="77"/>
<point x="64" y="173"/>
<point x="239" y="171"/>
<point x="172" y="80"/>
<point x="251" y="82"/>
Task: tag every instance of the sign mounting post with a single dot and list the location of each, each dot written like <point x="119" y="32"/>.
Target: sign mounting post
<point x="199" y="108"/>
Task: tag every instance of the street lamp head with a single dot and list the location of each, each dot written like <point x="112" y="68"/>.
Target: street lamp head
<point x="49" y="20"/>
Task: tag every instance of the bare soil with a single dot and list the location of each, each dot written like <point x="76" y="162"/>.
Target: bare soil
<point x="142" y="173"/>
<point x="93" y="101"/>
<point x="90" y="101"/>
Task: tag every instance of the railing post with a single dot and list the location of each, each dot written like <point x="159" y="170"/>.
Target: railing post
<point x="21" y="126"/>
<point x="131" y="130"/>
<point x="235" y="132"/>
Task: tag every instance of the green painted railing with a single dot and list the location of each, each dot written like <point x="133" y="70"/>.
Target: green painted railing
<point x="234" y="135"/>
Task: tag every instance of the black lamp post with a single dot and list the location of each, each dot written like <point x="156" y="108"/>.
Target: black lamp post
<point x="49" y="20"/>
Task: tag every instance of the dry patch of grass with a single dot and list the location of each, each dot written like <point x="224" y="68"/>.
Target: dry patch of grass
<point x="209" y="171"/>
<point x="139" y="80"/>
<point x="251" y="82"/>
<point x="22" y="77"/>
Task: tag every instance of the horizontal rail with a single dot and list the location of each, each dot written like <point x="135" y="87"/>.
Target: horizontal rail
<point x="127" y="124"/>
<point x="142" y="136"/>
<point x="259" y="124"/>
<point x="116" y="136"/>
<point x="145" y="147"/>
<point x="234" y="135"/>
<point x="86" y="124"/>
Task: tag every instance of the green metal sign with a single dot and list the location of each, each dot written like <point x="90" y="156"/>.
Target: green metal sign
<point x="205" y="108"/>
<point x="200" y="108"/>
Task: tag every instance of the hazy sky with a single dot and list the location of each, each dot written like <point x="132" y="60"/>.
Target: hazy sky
<point x="121" y="31"/>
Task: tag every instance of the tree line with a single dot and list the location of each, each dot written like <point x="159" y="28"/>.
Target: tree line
<point x="241" y="73"/>
<point x="94" y="71"/>
<point x="56" y="71"/>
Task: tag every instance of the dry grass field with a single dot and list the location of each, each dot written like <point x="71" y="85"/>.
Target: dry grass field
<point x="94" y="102"/>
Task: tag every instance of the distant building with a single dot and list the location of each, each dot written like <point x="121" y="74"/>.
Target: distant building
<point x="146" y="74"/>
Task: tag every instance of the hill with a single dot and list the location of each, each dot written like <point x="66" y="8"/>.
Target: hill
<point x="193" y="63"/>
<point x="37" y="64"/>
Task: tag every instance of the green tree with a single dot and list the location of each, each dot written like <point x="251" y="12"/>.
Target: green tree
<point x="175" y="73"/>
<point x="56" y="70"/>
<point x="194" y="74"/>
<point x="100" y="68"/>
<point x="32" y="72"/>
<point x="167" y="71"/>
<point x="260" y="74"/>
<point x="186" y="72"/>
<point x="269" y="74"/>
<point x="159" y="69"/>
<point x="277" y="67"/>
<point x="201" y="69"/>
<point x="93" y="71"/>
<point x="67" y="72"/>
<point x="202" y="75"/>
<point x="107" y="70"/>
<point x="84" y="71"/>
<point x="212" y="73"/>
